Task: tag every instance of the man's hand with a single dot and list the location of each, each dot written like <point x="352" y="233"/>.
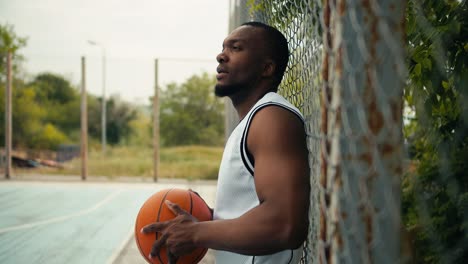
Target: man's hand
<point x="176" y="234"/>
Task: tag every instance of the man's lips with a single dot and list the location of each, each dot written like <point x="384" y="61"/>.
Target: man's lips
<point x="221" y="75"/>
<point x="221" y="72"/>
<point x="220" y="69"/>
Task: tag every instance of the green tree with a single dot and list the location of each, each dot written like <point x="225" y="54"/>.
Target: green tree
<point x="119" y="117"/>
<point x="47" y="136"/>
<point x="46" y="111"/>
<point x="191" y="114"/>
<point x="26" y="120"/>
<point x="94" y="117"/>
<point x="141" y="128"/>
<point x="435" y="194"/>
<point x="61" y="101"/>
<point x="10" y="42"/>
<point x="26" y="115"/>
<point x="54" y="88"/>
<point x="29" y="126"/>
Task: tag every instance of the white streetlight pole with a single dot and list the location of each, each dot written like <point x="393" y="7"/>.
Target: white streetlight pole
<point x="103" y="112"/>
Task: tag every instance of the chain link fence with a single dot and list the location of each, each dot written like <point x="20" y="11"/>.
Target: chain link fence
<point x="300" y="23"/>
<point x="381" y="84"/>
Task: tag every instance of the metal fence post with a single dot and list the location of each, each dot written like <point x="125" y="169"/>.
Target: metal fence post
<point x="8" y="118"/>
<point x="364" y="131"/>
<point x="156" y="123"/>
<point x="84" y="122"/>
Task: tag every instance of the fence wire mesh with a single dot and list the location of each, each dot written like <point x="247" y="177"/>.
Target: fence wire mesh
<point x="300" y="23"/>
<point x="381" y="84"/>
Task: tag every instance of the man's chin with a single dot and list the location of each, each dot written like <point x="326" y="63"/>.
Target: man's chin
<point x="225" y="90"/>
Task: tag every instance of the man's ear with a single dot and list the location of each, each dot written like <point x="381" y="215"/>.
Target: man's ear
<point x="269" y="68"/>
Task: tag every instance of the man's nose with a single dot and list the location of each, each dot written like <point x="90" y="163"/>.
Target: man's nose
<point x="221" y="57"/>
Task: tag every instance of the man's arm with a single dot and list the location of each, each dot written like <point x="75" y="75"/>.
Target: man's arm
<point x="277" y="142"/>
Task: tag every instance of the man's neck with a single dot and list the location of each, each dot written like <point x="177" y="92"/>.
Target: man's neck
<point x="243" y="103"/>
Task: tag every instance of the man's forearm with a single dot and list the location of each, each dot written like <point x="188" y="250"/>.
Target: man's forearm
<point x="255" y="233"/>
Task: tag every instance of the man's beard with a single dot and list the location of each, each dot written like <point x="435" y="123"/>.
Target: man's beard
<point x="227" y="90"/>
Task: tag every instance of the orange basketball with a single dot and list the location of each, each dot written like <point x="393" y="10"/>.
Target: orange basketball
<point x="155" y="210"/>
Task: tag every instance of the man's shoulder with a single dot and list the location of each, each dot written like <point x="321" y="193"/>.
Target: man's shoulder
<point x="276" y="123"/>
<point x="275" y="99"/>
<point x="274" y="115"/>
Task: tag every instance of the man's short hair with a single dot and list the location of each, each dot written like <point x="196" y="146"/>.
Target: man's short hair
<point x="277" y="47"/>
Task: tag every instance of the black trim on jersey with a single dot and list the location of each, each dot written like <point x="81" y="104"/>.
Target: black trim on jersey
<point x="246" y="156"/>
<point x="244" y="159"/>
<point x="292" y="256"/>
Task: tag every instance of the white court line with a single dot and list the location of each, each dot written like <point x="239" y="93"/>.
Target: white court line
<point x="63" y="218"/>
<point x="120" y="248"/>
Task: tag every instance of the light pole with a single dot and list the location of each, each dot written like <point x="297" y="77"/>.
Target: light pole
<point x="103" y="111"/>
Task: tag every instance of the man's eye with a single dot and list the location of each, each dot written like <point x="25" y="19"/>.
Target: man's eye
<point x="235" y="47"/>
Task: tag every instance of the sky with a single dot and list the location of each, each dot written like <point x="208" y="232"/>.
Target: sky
<point x="185" y="36"/>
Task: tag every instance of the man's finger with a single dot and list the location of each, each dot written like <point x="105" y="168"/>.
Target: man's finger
<point x="154" y="227"/>
<point x="171" y="257"/>
<point x="157" y="246"/>
<point x="175" y="208"/>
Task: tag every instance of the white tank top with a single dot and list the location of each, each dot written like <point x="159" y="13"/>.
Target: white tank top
<point x="236" y="192"/>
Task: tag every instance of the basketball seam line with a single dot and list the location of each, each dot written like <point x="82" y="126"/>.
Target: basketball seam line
<point x="159" y="215"/>
<point x="203" y="252"/>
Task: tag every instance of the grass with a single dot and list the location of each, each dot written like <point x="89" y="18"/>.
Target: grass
<point x="187" y="162"/>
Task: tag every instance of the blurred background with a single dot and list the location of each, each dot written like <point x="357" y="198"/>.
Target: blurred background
<point x="120" y="41"/>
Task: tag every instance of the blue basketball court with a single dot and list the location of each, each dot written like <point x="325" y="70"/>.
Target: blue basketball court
<point x="73" y="222"/>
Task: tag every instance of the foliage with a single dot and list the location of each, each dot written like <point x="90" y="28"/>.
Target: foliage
<point x="60" y="98"/>
<point x="94" y="117"/>
<point x="9" y="42"/>
<point x="46" y="111"/>
<point x="191" y="114"/>
<point x="31" y="126"/>
<point x="48" y="137"/>
<point x="26" y="120"/>
<point x="119" y="116"/>
<point x="141" y="129"/>
<point x="435" y="194"/>
<point x="54" y="89"/>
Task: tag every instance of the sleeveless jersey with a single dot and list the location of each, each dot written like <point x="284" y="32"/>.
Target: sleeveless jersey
<point x="236" y="192"/>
